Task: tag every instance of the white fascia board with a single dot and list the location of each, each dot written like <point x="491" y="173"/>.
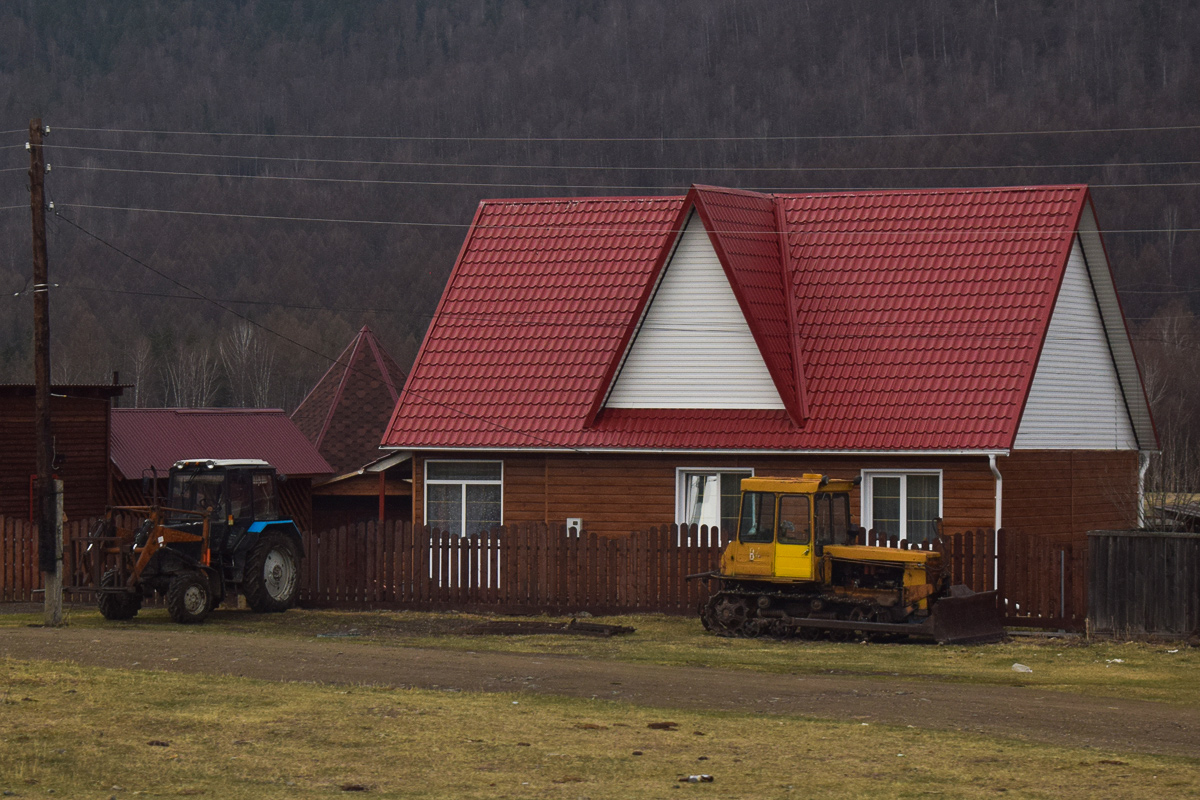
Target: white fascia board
<point x="1115" y="327"/>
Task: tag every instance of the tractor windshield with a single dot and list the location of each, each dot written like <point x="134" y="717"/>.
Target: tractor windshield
<point x="198" y="491"/>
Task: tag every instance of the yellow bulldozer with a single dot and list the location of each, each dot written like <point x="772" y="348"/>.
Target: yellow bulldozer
<point x="795" y="569"/>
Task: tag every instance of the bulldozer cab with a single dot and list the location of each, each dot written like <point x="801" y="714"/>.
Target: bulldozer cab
<point x="785" y="524"/>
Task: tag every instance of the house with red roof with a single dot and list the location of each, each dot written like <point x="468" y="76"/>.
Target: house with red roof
<point x="344" y="416"/>
<point x="624" y="362"/>
<point x="147" y="441"/>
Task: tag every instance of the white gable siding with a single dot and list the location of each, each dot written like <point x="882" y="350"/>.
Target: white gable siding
<point x="694" y="348"/>
<point x="1076" y="400"/>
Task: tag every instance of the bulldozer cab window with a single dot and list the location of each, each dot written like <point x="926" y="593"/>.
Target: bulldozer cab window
<point x="794" y="519"/>
<point x="833" y="518"/>
<point x="266" y="501"/>
<point x="757" y="524"/>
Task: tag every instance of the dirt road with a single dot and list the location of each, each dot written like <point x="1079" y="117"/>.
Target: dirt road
<point x="1110" y="724"/>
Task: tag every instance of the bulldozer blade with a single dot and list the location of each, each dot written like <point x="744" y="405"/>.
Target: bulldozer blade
<point x="966" y="617"/>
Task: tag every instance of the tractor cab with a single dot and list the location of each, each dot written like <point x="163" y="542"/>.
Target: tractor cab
<point x="785" y="525"/>
<point x="235" y="493"/>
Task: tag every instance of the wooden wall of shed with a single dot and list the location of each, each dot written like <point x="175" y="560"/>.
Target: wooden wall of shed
<point x="81" y="431"/>
<point x="1063" y="494"/>
<point x="615" y="494"/>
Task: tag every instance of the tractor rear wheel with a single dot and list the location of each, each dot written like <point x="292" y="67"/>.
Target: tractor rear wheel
<point x="117" y="605"/>
<point x="272" y="574"/>
<point x="188" y="598"/>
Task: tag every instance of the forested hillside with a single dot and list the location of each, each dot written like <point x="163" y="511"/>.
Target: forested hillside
<point x="234" y="114"/>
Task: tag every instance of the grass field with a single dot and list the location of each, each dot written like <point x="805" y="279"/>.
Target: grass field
<point x="1163" y="672"/>
<point x="77" y="732"/>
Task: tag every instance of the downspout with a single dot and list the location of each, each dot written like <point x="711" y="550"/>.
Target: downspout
<point x="1143" y="465"/>
<point x="998" y="518"/>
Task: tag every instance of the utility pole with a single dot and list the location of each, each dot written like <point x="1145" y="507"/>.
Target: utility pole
<point x="49" y="523"/>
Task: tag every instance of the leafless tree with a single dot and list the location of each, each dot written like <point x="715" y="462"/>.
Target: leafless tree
<point x="249" y="362"/>
<point x="191" y="377"/>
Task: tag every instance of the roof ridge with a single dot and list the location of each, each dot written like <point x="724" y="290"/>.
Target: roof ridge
<point x="931" y="192"/>
<point x="352" y="348"/>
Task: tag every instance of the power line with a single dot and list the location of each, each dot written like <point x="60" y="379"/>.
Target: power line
<point x="301" y="345"/>
<point x="637" y="168"/>
<point x="610" y="229"/>
<point x="652" y="139"/>
<point x="476" y="184"/>
<point x="370" y="180"/>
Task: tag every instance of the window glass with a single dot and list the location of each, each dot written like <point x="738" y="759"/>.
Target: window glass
<point x="924" y="493"/>
<point x="240" y="507"/>
<point x="758" y="517"/>
<point x="906" y="506"/>
<point x="266" y="501"/>
<point x="443" y="507"/>
<point x="794" y="523"/>
<point x="839" y="519"/>
<point x="197" y="491"/>
<point x="463" y="497"/>
<point x="710" y="497"/>
<point x="463" y="470"/>
<point x="885" y="505"/>
<point x="483" y="508"/>
<point x="823" y="514"/>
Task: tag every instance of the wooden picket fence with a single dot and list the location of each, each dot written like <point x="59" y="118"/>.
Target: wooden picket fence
<point x="521" y="568"/>
<point x="20" y="573"/>
<point x="538" y="568"/>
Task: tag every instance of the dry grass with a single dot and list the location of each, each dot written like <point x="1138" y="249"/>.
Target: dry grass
<point x="1158" y="672"/>
<point x="85" y="733"/>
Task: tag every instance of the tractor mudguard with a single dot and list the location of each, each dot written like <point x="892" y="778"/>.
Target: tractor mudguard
<point x="287" y="526"/>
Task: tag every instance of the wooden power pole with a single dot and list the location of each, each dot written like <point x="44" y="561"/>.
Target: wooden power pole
<point x="49" y="523"/>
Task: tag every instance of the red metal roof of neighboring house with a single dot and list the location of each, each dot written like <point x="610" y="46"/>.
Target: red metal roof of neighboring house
<point x="158" y="437"/>
<point x="896" y="320"/>
<point x="346" y="412"/>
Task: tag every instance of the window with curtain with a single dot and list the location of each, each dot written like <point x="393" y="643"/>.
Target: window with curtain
<point x="905" y="505"/>
<point x="709" y="497"/>
<point x="464" y="497"/>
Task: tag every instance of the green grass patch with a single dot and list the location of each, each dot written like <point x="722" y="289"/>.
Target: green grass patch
<point x="83" y="733"/>
<point x="1103" y="668"/>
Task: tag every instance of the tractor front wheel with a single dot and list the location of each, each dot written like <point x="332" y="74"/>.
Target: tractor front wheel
<point x="117" y="605"/>
<point x="272" y="574"/>
<point x="188" y="598"/>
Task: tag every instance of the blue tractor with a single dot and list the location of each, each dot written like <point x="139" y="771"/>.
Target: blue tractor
<point x="219" y="531"/>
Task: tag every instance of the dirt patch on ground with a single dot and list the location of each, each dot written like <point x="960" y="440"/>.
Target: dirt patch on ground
<point x="1065" y="719"/>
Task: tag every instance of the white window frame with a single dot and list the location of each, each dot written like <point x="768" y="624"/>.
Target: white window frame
<point x="867" y="494"/>
<point x="681" y="474"/>
<point x="464" y="484"/>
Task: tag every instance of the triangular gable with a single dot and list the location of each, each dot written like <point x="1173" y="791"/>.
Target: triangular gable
<point x="1086" y="392"/>
<point x="716" y="327"/>
<point x="694" y="348"/>
<point x="1075" y="400"/>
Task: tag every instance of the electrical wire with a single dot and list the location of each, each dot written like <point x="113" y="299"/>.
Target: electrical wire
<point x="595" y="167"/>
<point x="454" y="184"/>
<point x="651" y="139"/>
<point x="601" y="228"/>
<point x="478" y="184"/>
<point x="301" y="345"/>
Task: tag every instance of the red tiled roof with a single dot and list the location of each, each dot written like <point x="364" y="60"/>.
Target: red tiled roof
<point x="158" y="437"/>
<point x="889" y="320"/>
<point x="346" y="412"/>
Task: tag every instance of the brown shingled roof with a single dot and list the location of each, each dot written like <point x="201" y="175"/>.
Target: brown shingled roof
<point x="346" y="412"/>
